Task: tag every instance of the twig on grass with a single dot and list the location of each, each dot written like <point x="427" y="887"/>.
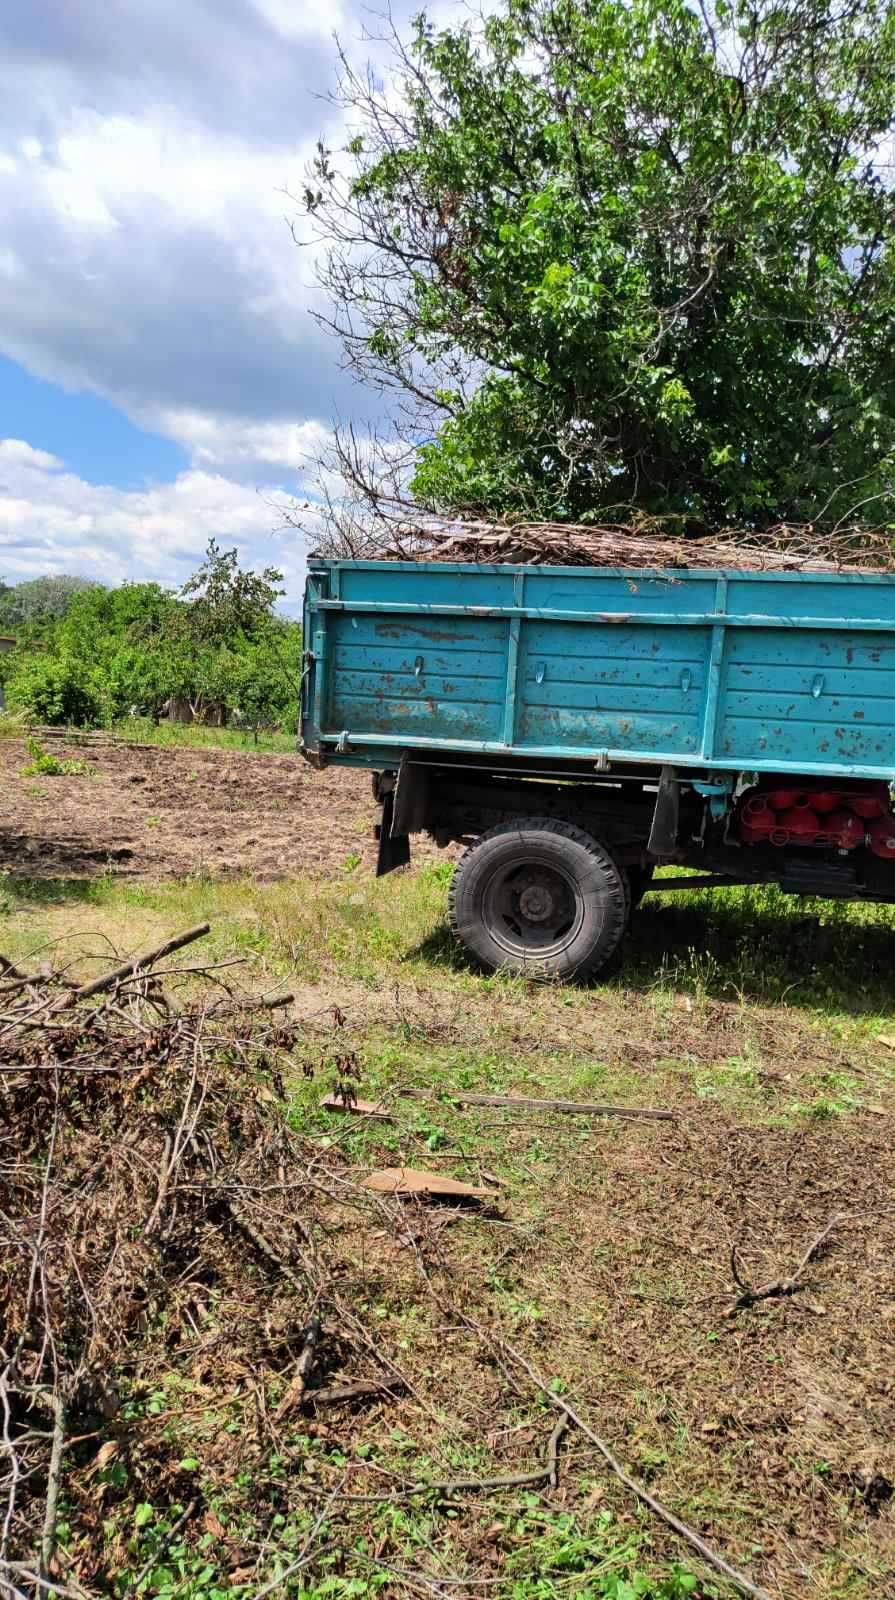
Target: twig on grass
<point x="159" y="1552"/>
<point x="363" y="1389"/>
<point x="26" y="1574"/>
<point x="296" y="1390"/>
<point x="714" y="1559"/>
<point x="54" y="1474"/>
<point x="783" y="1288"/>
<point x="548" y="1473"/>
<point x="307" y="1553"/>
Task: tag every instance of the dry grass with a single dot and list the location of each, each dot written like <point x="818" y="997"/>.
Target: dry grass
<point x="608" y="1265"/>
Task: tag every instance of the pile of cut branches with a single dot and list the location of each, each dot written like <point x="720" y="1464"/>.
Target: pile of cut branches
<point x="153" y="1201"/>
<point x="648" y="543"/>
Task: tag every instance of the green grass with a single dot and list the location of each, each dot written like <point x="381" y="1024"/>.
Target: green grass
<point x="785" y="977"/>
<point x="44" y="765"/>
<point x="746" y="1011"/>
<point x="177" y="735"/>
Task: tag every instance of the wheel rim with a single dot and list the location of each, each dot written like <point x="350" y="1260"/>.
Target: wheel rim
<point x="533" y="910"/>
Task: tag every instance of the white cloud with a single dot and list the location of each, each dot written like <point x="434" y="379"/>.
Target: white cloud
<point x="144" y="151"/>
<point x="295" y="19"/>
<point x="17" y="453"/>
<point x="53" y="521"/>
<point x="146" y="254"/>
<point x="235" y="442"/>
<point x="149" y="260"/>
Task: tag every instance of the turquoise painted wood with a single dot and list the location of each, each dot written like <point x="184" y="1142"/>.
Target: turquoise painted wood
<point x="723" y="671"/>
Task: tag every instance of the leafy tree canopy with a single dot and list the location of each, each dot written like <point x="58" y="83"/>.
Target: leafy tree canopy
<point x="626" y="253"/>
<point x="36" y="598"/>
<point x="114" y="653"/>
<point x="225" y="601"/>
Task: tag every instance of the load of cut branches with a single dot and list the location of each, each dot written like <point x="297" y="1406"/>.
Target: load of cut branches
<point x="157" y="1215"/>
<point x="658" y="543"/>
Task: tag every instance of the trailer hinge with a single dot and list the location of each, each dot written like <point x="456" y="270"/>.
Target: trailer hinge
<point x="342" y="742"/>
<point x="717" y="792"/>
<point x="602" y="762"/>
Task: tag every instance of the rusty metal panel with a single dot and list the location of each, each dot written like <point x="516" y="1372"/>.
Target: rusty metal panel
<point x="723" y="671"/>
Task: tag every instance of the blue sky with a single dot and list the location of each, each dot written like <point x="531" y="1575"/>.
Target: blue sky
<point x="97" y="440"/>
<point x="162" y="378"/>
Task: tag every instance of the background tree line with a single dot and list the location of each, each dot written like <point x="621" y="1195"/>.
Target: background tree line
<point x="92" y="656"/>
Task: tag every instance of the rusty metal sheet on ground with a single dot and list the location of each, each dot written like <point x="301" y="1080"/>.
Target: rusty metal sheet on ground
<point x="410" y="1180"/>
<point x="362" y="1108"/>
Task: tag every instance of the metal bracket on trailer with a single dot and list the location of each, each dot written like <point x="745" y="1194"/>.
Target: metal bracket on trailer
<point x="394" y="849"/>
<point x="404" y="807"/>
<point x="666" y="816"/>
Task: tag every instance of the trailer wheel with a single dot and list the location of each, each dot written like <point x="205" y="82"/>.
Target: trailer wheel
<point x="540" y="897"/>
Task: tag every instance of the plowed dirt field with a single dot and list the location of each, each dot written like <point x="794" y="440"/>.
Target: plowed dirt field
<point x="146" y="812"/>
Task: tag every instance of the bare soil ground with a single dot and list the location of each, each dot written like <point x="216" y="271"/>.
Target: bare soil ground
<point x="616" y="1256"/>
<point x="772" y="1424"/>
<point x="148" y="812"/>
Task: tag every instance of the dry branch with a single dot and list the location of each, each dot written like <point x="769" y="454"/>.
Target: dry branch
<point x="136" y="1124"/>
<point x="341" y="1393"/>
<point x="548" y="1473"/>
<point x="165" y="1545"/>
<point x="140" y="963"/>
<point x="650" y="543"/>
<point x="295" y="1392"/>
<point x="54" y="1473"/>
<point x="782" y="1288"/>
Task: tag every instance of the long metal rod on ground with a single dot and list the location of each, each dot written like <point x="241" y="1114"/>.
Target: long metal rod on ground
<point x="584" y="1108"/>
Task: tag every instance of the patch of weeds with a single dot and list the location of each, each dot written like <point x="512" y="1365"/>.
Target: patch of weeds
<point x="251" y="938"/>
<point x="439" y="872"/>
<point x="604" y="1556"/>
<point x="171" y="1569"/>
<point x="695" y="973"/>
<point x="352" y="861"/>
<point x="433" y="1136"/>
<point x="823" y="1109"/>
<point x="44" y="765"/>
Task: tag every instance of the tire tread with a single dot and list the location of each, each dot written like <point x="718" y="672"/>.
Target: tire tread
<point x="601" y="854"/>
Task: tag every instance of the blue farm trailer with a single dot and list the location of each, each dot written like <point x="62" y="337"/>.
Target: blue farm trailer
<point x="574" y="727"/>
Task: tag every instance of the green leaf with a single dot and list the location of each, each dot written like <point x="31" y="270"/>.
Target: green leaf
<point x="633" y="259"/>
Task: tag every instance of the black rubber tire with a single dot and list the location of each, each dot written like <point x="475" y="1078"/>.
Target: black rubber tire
<point x="596" y="882"/>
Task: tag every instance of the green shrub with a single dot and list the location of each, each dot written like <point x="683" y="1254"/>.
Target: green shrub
<point x="43" y="765"/>
<point x="54" y="691"/>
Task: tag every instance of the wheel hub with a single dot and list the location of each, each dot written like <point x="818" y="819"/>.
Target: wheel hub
<point x="536" y="903"/>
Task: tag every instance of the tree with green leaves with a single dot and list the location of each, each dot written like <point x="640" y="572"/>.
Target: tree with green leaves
<point x="607" y="255"/>
<point x="225" y="602"/>
<point x="115" y="653"/>
<point x="35" y="599"/>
